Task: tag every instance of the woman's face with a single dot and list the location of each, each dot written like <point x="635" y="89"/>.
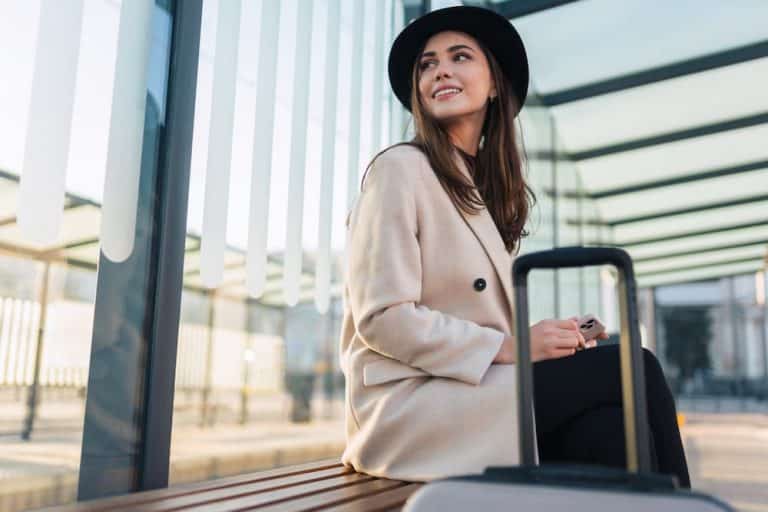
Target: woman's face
<point x="454" y="61"/>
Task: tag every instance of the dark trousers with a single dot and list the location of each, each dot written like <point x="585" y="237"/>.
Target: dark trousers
<point x="579" y="417"/>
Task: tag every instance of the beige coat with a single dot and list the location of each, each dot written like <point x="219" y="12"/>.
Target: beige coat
<point x="420" y="331"/>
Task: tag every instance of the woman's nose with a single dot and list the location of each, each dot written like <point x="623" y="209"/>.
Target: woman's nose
<point x="442" y="69"/>
<point x="442" y="72"/>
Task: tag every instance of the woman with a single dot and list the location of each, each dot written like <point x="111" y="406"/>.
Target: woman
<point x="426" y="344"/>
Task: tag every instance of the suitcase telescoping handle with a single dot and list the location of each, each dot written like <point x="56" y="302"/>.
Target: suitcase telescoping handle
<point x="631" y="357"/>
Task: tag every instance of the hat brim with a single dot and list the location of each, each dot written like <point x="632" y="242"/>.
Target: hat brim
<point x="488" y="27"/>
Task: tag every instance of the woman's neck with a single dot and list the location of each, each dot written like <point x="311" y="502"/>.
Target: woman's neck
<point x="465" y="135"/>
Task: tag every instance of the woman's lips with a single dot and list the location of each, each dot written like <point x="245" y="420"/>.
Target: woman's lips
<point x="447" y="96"/>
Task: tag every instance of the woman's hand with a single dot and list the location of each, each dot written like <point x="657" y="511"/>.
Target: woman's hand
<point x="593" y="342"/>
<point x="507" y="352"/>
<point x="551" y="339"/>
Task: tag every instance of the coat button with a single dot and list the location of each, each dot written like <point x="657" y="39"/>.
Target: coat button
<point x="479" y="284"/>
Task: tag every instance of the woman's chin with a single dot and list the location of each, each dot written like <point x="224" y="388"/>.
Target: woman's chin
<point x="449" y="114"/>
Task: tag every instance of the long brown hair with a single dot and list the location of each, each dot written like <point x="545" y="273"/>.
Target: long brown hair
<point x="498" y="170"/>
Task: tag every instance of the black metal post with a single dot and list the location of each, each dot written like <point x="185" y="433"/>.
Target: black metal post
<point x="555" y="219"/>
<point x="129" y="405"/>
<point x="173" y="195"/>
<point x="32" y="399"/>
<point x="208" y="376"/>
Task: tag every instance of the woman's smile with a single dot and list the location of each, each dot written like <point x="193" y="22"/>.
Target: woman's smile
<point x="447" y="94"/>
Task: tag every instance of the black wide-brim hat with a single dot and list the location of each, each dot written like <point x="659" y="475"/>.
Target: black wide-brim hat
<point x="488" y="27"/>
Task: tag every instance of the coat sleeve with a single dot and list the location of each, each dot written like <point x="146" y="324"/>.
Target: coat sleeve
<point x="384" y="282"/>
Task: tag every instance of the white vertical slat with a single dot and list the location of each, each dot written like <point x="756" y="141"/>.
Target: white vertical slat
<point x="383" y="77"/>
<point x="398" y="113"/>
<point x="46" y="148"/>
<point x="389" y="36"/>
<point x="214" y="236"/>
<point x="293" y="242"/>
<point x="323" y="269"/>
<point x="263" y="136"/>
<point x="378" y="75"/>
<point x="27" y="342"/>
<point x="15" y="339"/>
<point x="121" y="181"/>
<point x="4" y="347"/>
<point x="356" y="77"/>
<point x="29" y="369"/>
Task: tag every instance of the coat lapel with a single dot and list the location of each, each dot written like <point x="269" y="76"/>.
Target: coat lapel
<point x="484" y="228"/>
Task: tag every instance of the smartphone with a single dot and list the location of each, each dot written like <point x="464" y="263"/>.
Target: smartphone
<point x="590" y="327"/>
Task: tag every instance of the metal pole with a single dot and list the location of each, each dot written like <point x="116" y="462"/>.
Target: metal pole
<point x="580" y="203"/>
<point x="764" y="335"/>
<point x="208" y="360"/>
<point x="328" y="374"/>
<point x="555" y="226"/>
<point x="32" y="402"/>
<point x="737" y="352"/>
<point x="245" y="391"/>
<point x="129" y="406"/>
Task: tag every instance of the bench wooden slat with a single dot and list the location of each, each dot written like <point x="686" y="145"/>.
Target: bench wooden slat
<point x="329" y="498"/>
<point x="273" y="496"/>
<point x="248" y="489"/>
<point x="134" y="499"/>
<point x="323" y="485"/>
<point x="391" y="500"/>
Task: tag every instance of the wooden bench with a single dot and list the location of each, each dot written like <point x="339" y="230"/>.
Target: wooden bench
<point x="323" y="485"/>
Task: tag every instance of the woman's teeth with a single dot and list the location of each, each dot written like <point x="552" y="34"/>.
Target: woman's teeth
<point x="445" y="92"/>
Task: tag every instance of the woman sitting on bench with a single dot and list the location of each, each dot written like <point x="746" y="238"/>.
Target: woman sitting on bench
<point x="426" y="344"/>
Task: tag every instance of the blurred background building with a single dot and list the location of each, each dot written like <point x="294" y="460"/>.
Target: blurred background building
<point x="645" y="128"/>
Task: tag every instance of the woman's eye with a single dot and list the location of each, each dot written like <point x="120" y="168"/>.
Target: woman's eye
<point x="424" y="65"/>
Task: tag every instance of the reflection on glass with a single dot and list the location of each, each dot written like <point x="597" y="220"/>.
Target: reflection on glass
<point x="48" y="290"/>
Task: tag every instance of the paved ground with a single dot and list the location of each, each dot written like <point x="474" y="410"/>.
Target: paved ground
<point x="727" y="453"/>
<point x="728" y="457"/>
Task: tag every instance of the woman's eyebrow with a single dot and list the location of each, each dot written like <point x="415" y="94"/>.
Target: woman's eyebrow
<point x="451" y="49"/>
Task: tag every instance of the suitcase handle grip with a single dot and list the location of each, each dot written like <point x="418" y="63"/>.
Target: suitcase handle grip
<point x="631" y="356"/>
<point x="568" y="257"/>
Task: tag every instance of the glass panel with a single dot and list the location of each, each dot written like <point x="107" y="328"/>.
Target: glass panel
<point x="79" y="223"/>
<point x="538" y="137"/>
<point x="253" y="360"/>
<point x="641" y="36"/>
<point x="675" y="104"/>
<point x="675" y="159"/>
<point x="571" y="293"/>
<point x="699" y="274"/>
<point x="701" y="242"/>
<point x="708" y="219"/>
<point x="757" y="252"/>
<point x="48" y="293"/>
<point x="698" y="193"/>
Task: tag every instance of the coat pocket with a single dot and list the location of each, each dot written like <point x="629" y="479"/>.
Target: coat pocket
<point x="389" y="370"/>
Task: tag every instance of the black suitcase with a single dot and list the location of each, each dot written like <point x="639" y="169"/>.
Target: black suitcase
<point x="572" y="487"/>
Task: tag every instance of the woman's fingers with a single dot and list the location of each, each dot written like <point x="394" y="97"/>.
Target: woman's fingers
<point x="563" y="352"/>
<point x="570" y="336"/>
<point x="569" y="324"/>
<point x="567" y="342"/>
